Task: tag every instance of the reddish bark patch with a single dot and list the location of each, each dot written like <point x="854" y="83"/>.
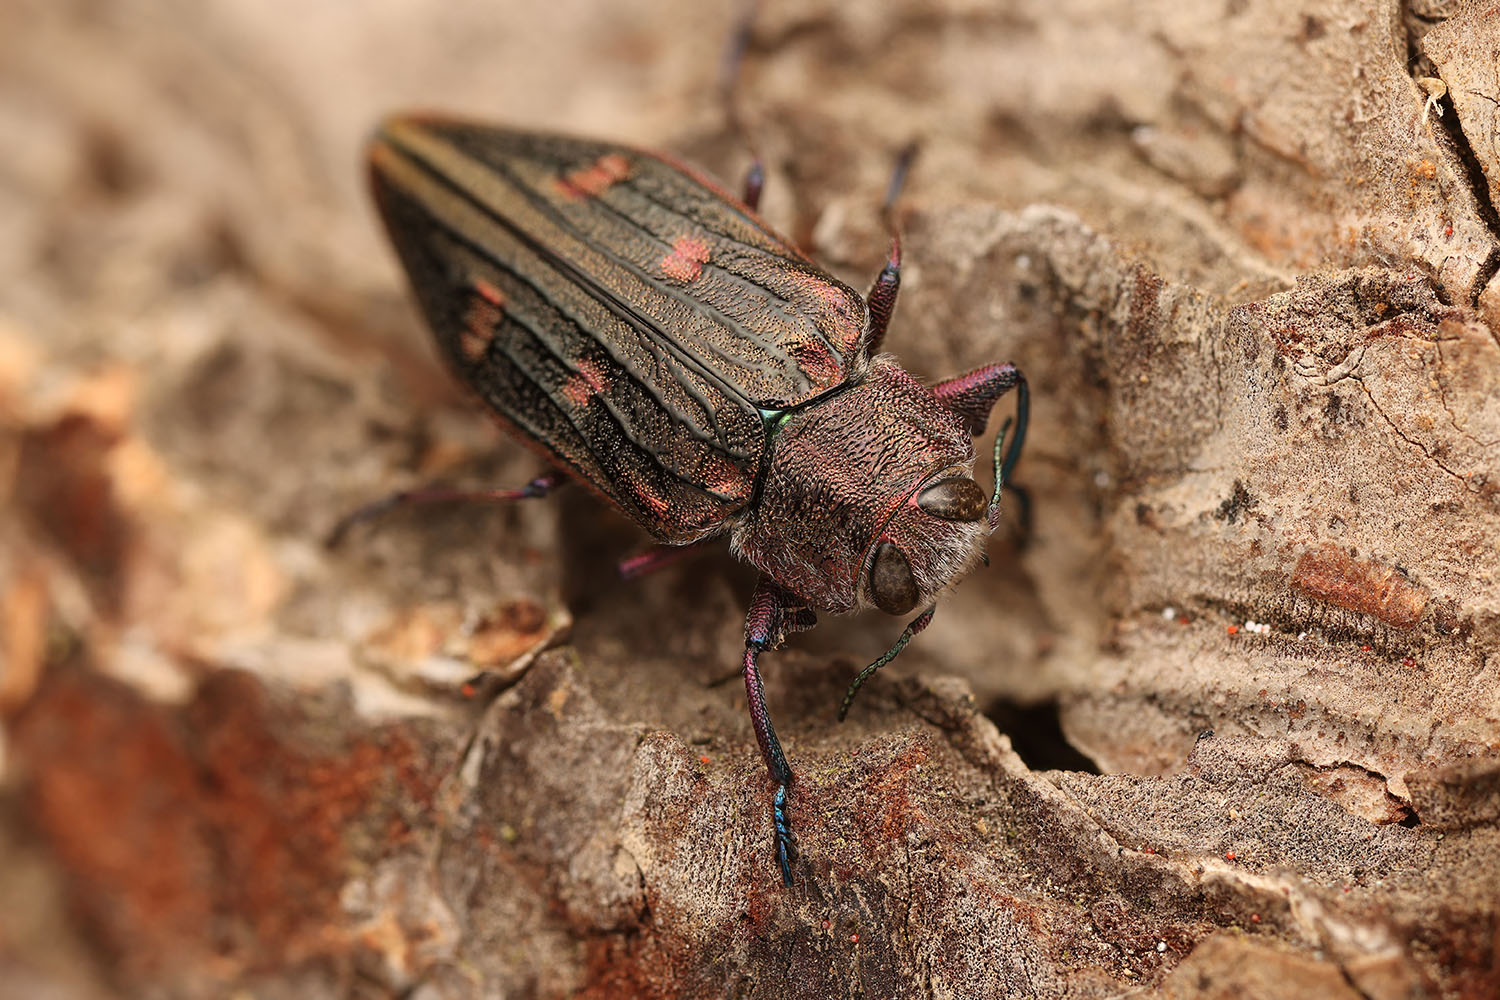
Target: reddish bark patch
<point x="685" y="262"/>
<point x="116" y="797"/>
<point x="593" y="180"/>
<point x="616" y="969"/>
<point x="198" y="842"/>
<point x="64" y="482"/>
<point x="1331" y="574"/>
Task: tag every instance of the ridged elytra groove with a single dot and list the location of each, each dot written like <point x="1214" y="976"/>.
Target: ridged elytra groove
<point x="658" y="342"/>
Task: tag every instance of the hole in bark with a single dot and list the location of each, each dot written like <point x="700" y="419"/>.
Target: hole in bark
<point x="1036" y="733"/>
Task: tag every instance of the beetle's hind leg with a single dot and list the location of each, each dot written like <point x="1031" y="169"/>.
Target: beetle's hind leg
<point x="729" y="92"/>
<point x="539" y="487"/>
<point x="773" y="613"/>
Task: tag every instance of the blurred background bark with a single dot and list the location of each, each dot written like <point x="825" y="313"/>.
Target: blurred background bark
<point x="1224" y="726"/>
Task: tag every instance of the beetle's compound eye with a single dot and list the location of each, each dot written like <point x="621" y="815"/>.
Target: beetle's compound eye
<point x="956" y="499"/>
<point x="891" y="582"/>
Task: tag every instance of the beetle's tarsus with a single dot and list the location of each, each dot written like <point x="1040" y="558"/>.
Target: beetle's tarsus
<point x="786" y="844"/>
<point x="904" y="159"/>
<point x="733" y="62"/>
<point x="1025" y="526"/>
<point x="881" y="300"/>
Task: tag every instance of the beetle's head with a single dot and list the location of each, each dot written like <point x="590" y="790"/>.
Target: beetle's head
<point x="869" y="500"/>
<point x="946" y="517"/>
<point x="931" y="541"/>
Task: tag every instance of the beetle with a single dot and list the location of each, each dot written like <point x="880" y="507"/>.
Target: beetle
<point x="656" y="341"/>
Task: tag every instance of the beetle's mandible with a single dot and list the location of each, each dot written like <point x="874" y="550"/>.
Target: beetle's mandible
<point x="657" y="342"/>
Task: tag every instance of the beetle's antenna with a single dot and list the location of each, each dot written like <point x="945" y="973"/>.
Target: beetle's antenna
<point x="917" y="624"/>
<point x="1006" y="466"/>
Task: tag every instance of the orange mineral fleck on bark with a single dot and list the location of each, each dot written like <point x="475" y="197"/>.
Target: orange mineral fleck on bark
<point x="685" y="262"/>
<point x="1330" y="574"/>
<point x="215" y="836"/>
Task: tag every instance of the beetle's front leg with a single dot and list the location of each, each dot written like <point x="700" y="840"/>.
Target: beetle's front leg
<point x="973" y="395"/>
<point x="773" y="613"/>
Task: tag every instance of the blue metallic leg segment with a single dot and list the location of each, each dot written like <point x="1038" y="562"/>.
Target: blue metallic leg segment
<point x="786" y="847"/>
<point x="772" y="614"/>
<point x="776" y="763"/>
<point x="729" y="88"/>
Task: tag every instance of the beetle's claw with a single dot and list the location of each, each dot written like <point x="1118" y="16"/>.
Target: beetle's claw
<point x="786" y="844"/>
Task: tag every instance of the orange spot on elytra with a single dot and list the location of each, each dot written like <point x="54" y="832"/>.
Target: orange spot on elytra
<point x="821" y="367"/>
<point x="593" y="180"/>
<point x="685" y="262"/>
<point x="652" y="499"/>
<point x="589" y="381"/>
<point x="724" y="477"/>
<point x="643" y="490"/>
<point x="480" y="322"/>
<point x="489" y="292"/>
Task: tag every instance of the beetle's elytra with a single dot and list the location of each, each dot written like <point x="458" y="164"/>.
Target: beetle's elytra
<point x="656" y="341"/>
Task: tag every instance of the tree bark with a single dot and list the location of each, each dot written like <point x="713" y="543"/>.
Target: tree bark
<point x="1223" y="723"/>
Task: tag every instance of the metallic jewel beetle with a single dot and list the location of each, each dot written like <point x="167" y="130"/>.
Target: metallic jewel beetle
<point x="652" y="338"/>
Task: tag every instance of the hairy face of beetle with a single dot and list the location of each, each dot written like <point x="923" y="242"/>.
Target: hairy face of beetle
<point x="869" y="500"/>
<point x="932" y="542"/>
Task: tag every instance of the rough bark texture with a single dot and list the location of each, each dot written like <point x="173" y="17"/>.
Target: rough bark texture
<point x="1250" y="655"/>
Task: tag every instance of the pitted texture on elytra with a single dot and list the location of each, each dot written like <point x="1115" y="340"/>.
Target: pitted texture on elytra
<point x="842" y="474"/>
<point x="646" y="319"/>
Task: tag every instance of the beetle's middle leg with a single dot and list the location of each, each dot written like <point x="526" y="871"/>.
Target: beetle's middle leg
<point x="773" y="613"/>
<point x="644" y="563"/>
<point x="880" y="301"/>
<point x="539" y="487"/>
